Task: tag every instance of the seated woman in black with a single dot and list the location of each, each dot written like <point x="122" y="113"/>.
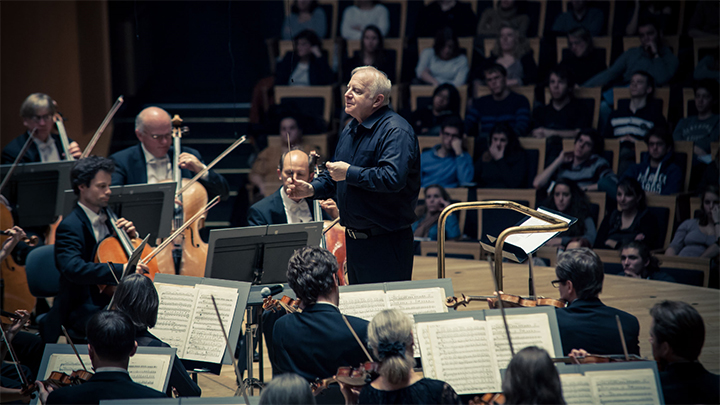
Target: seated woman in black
<point x="503" y="165"/>
<point x="445" y="103"/>
<point x="136" y="296"/>
<point x="568" y="198"/>
<point x="582" y="58"/>
<point x="631" y="221"/>
<point x="307" y="66"/>
<point x="372" y="53"/>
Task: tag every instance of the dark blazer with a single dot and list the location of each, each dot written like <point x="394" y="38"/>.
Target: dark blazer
<point x="131" y="168"/>
<point x="315" y="342"/>
<point x="689" y="383"/>
<point x="179" y="377"/>
<point x="12" y="150"/>
<point x="590" y="325"/>
<point x="270" y="210"/>
<point x="101" y="386"/>
<point x="79" y="296"/>
<point x="319" y="71"/>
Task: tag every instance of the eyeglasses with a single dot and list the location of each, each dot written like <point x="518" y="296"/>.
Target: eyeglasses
<point x="164" y="137"/>
<point x="38" y="118"/>
<point x="556" y="283"/>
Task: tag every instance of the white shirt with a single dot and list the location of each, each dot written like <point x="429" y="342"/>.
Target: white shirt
<point x="100" y="229"/>
<point x="48" y="150"/>
<point x="296" y="212"/>
<point x="158" y="169"/>
<point x="353" y="15"/>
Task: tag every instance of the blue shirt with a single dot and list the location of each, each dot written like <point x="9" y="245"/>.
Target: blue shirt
<point x="449" y="171"/>
<point x="484" y="112"/>
<point x="383" y="181"/>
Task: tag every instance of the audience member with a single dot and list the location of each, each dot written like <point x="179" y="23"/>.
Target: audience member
<point x="638" y="262"/>
<point x="505" y="13"/>
<point x="446" y="163"/>
<point x="711" y="177"/>
<point x="658" y="11"/>
<point x="698" y="237"/>
<point x="304" y="15"/>
<point x="444" y="62"/>
<point x="657" y="173"/>
<point x="503" y="164"/>
<point x="357" y="17"/>
<point x="513" y="52"/>
<point x="705" y="21"/>
<point x="287" y="389"/>
<point x="703" y="128"/>
<point x="582" y="58"/>
<point x="531" y="378"/>
<point x="708" y="68"/>
<point x="426" y="227"/>
<point x="390" y="337"/>
<point x="566" y="197"/>
<point x="446" y="13"/>
<point x="372" y="53"/>
<point x="562" y="117"/>
<point x="306" y="66"/>
<point x="579" y="14"/>
<point x="502" y="105"/>
<point x="445" y="103"/>
<point x="630" y="221"/>
<point x="677" y="335"/>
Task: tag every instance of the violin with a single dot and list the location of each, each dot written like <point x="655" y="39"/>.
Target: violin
<point x="508" y="300"/>
<point x="598" y="358"/>
<point x="285" y="303"/>
<point x="352" y="376"/>
<point x="489" y="399"/>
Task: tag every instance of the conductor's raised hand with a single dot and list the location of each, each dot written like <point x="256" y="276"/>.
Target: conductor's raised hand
<point x="337" y="170"/>
<point x="296" y="188"/>
<point x="128" y="226"/>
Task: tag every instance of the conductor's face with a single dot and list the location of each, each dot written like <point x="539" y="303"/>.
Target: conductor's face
<point x="359" y="100"/>
<point x="97" y="194"/>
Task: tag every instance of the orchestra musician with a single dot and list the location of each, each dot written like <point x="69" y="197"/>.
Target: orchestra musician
<point x="531" y="378"/>
<point x="586" y="322"/>
<point x="77" y="237"/>
<point x="376" y="176"/>
<point x="111" y="343"/>
<point x="11" y="388"/>
<point x="151" y="160"/>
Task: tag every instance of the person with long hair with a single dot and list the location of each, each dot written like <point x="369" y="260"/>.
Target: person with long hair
<point x="512" y="51"/>
<point x="444" y="62"/>
<point x="639" y="262"/>
<point x="372" y="53"/>
<point x="436" y="199"/>
<point x="445" y="103"/>
<point x="304" y="15"/>
<point x="566" y="197"/>
<point x="630" y="221"/>
<point x="503" y="164"/>
<point x="698" y="237"/>
<point x="531" y="378"/>
<point x="306" y="66"/>
<point x="390" y="337"/>
<point x="582" y="58"/>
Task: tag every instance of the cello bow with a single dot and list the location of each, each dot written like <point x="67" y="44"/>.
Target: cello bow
<point x="102" y="127"/>
<point x="210" y="166"/>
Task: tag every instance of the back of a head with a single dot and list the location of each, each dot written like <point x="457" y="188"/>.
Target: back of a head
<point x="531" y="378"/>
<point x="112" y="335"/>
<point x="311" y="273"/>
<point x="584" y="268"/>
<point x="287" y="389"/>
<point x="681" y="326"/>
<point x="390" y="337"/>
<point x="136" y="296"/>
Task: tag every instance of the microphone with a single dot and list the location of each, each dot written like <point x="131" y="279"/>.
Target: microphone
<point x="272" y="290"/>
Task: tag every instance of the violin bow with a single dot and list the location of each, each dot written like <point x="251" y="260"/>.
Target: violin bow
<point x="23" y="379"/>
<point x="502" y="307"/>
<point x="362" y="346"/>
<point x="17" y="160"/>
<point x="531" y="281"/>
<point x="210" y="166"/>
<point x="102" y="127"/>
<point x="622" y="338"/>
<point x="329" y="227"/>
<point x="73" y="347"/>
<point x="242" y="388"/>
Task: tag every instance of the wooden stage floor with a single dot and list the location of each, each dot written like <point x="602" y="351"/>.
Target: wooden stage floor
<point x="473" y="278"/>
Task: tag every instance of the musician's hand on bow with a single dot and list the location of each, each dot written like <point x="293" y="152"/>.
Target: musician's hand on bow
<point x="43" y="391"/>
<point x="330" y="207"/>
<point x="190" y="162"/>
<point x="74" y="150"/>
<point x="578" y="354"/>
<point x="142" y="268"/>
<point x="351" y="394"/>
<point x="16" y="235"/>
<point x="337" y="170"/>
<point x="296" y="188"/>
<point x="128" y="226"/>
<point x="19" y="323"/>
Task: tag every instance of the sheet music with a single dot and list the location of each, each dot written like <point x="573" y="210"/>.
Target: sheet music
<point x="418" y="300"/>
<point x="525" y="330"/>
<point x="363" y="304"/>
<point x="529" y="242"/>
<point x="577" y="389"/>
<point x="177" y="304"/>
<point x="625" y="386"/>
<point x="206" y="341"/>
<point x="420" y="331"/>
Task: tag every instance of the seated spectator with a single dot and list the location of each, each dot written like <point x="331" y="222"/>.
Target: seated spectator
<point x="582" y="165"/>
<point x="363" y="13"/>
<point x="659" y="11"/>
<point x="500" y="106"/>
<point x="446" y="163"/>
<point x="638" y="262"/>
<point x="503" y="164"/>
<point x="446" y="13"/>
<point x="566" y="197"/>
<point x="705" y="22"/>
<point x="630" y="221"/>
<point x="704" y="127"/>
<point x="513" y="52"/>
<point x="657" y="173"/>
<point x="307" y="66"/>
<point x="632" y="121"/>
<point x="426" y="227"/>
<point x="562" y="117"/>
<point x="711" y="177"/>
<point x="445" y="103"/>
<point x="444" y="62"/>
<point x="582" y="58"/>
<point x="372" y="53"/>
<point x="531" y="378"/>
<point x="505" y="13"/>
<point x="287" y="389"/>
<point x="698" y="237"/>
<point x="305" y="15"/>
<point x="580" y="15"/>
<point x="708" y="68"/>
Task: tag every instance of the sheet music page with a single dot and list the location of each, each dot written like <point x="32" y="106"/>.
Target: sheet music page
<point x="206" y="341"/>
<point x="625" y="386"/>
<point x="529" y="242"/>
<point x="420" y="332"/>
<point x="525" y="330"/>
<point x="418" y="300"/>
<point x="463" y="356"/>
<point x="66" y="363"/>
<point x="577" y="390"/>
<point x="175" y="313"/>
<point x="363" y="304"/>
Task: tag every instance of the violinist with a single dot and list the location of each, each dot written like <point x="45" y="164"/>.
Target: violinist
<point x="586" y="322"/>
<point x="531" y="378"/>
<point x="76" y="239"/>
<point x="287" y="389"/>
<point x="390" y="338"/>
<point x="11" y="383"/>
<point x="111" y="343"/>
<point x="151" y="161"/>
<point x="16" y="235"/>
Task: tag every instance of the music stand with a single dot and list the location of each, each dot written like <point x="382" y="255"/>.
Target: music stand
<point x="149" y="206"/>
<point x="35" y="191"/>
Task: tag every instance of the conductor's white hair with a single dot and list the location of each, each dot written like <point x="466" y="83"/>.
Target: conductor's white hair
<point x="380" y="83"/>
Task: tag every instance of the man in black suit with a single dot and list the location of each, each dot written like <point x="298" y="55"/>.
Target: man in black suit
<point x="37" y="112"/>
<point x="278" y="208"/>
<point x="76" y="240"/>
<point x="151" y="160"/>
<point x="586" y="322"/>
<point x="111" y="343"/>
<point x="316" y="341"/>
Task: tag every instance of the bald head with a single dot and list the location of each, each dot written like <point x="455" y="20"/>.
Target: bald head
<point x="153" y="127"/>
<point x="294" y="165"/>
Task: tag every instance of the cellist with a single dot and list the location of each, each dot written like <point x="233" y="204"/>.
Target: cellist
<point x="76" y="239"/>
